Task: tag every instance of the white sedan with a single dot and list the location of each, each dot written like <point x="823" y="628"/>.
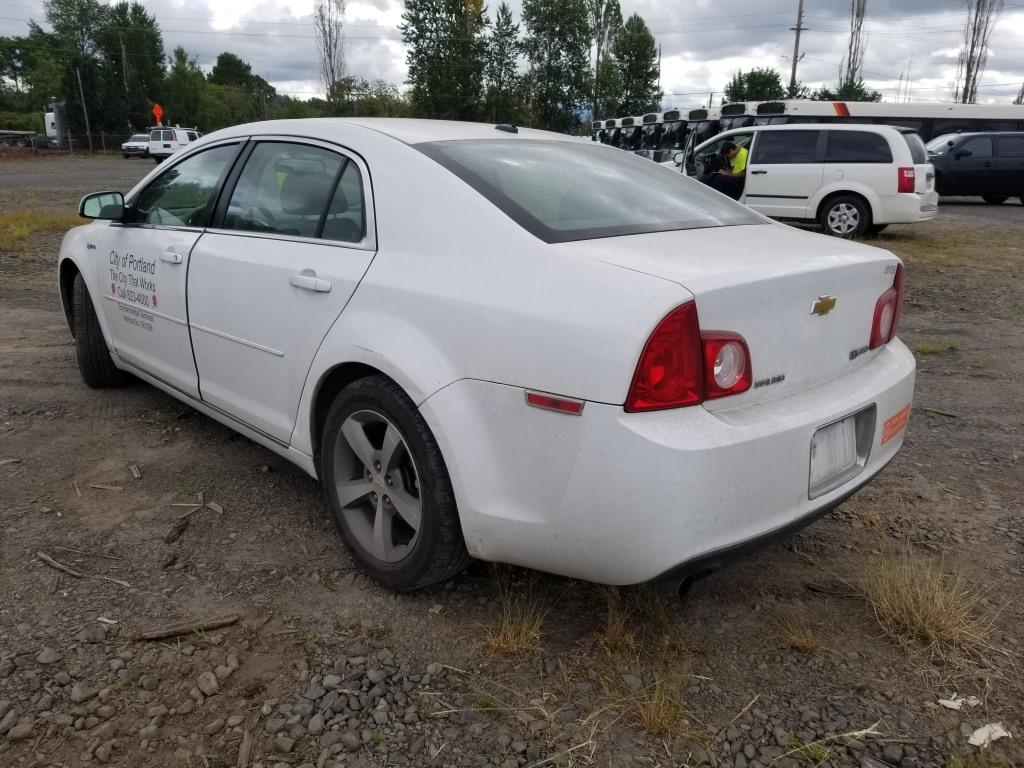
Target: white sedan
<point x="499" y="343"/>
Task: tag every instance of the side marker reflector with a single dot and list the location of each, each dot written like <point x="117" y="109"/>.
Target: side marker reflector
<point x="554" y="403"/>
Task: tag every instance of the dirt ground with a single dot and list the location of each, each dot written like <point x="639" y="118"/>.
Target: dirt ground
<point x="779" y="660"/>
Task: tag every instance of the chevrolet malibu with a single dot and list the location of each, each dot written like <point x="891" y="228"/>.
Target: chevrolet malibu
<point x="483" y="348"/>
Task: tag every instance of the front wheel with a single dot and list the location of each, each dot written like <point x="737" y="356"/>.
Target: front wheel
<point x="995" y="199"/>
<point x="94" y="363"/>
<point x="387" y="488"/>
<point x="845" y="216"/>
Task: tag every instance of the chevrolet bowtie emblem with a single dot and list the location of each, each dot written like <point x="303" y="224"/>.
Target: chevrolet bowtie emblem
<point x="823" y="305"/>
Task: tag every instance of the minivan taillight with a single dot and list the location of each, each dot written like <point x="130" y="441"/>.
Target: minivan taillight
<point x="888" y="310"/>
<point x="905" y="180"/>
<point x="680" y="366"/>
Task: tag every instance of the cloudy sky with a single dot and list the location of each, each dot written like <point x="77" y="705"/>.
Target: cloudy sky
<point x="702" y="41"/>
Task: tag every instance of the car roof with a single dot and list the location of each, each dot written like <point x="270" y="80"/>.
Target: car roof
<point x="819" y="126"/>
<point x="406" y="130"/>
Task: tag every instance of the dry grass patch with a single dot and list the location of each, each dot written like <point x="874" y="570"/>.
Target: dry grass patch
<point x="18" y="227"/>
<point x="936" y="347"/>
<point x="800" y="635"/>
<point x="518" y="629"/>
<point x="922" y="604"/>
<point x="656" y="708"/>
<point x="617" y="635"/>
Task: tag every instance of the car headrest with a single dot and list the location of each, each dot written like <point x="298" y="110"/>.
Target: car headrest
<point x="303" y="194"/>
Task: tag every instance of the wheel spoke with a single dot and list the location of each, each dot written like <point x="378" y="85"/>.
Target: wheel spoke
<point x="390" y="451"/>
<point x="352" y="491"/>
<point x="382" y="541"/>
<point x="407" y="506"/>
<point x="357" y="440"/>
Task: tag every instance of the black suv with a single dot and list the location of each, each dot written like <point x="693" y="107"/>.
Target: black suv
<point x="986" y="164"/>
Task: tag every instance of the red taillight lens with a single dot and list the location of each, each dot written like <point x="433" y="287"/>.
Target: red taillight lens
<point x="727" y="362"/>
<point x="670" y="373"/>
<point x="680" y="366"/>
<point x="888" y="310"/>
<point x="905" y="180"/>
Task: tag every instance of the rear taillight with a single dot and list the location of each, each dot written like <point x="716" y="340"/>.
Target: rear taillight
<point x="727" y="364"/>
<point x="679" y="366"/>
<point x="905" y="180"/>
<point x="888" y="310"/>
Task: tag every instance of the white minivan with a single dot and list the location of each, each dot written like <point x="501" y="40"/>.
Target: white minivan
<point x="164" y="142"/>
<point x="850" y="179"/>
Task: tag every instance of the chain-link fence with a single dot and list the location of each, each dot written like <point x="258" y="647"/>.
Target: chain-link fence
<point x="19" y="142"/>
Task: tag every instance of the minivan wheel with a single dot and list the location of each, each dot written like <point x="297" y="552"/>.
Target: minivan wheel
<point x="995" y="199"/>
<point x="845" y="216"/>
<point x="387" y="488"/>
<point x="94" y="363"/>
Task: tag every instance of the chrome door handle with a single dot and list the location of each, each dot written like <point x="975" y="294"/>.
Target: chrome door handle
<point x="758" y="173"/>
<point x="311" y="282"/>
<point x="171" y="256"/>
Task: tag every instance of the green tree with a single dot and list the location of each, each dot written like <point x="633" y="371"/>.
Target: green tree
<point x="132" y="47"/>
<point x="636" y="58"/>
<point x="446" y="49"/>
<point x="557" y="45"/>
<point x="605" y="18"/>
<point x="503" y="84"/>
<point x="248" y="94"/>
<point x="759" y="84"/>
<point x="848" y="91"/>
<point x="609" y="89"/>
<point x="184" y="91"/>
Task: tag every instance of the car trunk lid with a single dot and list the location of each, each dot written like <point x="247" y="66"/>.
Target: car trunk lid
<point x="803" y="303"/>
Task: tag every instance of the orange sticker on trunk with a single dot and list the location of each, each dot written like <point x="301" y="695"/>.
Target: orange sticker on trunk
<point x="895" y="424"/>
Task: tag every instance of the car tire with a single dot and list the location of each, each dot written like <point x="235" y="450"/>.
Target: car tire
<point x="874" y="229"/>
<point x="94" y="362"/>
<point x="995" y="199"/>
<point x="377" y="448"/>
<point x="126" y="156"/>
<point x="845" y="216"/>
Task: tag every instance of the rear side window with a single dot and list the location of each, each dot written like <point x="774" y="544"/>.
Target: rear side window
<point x="980" y="146"/>
<point x="1010" y="146"/>
<point x="775" y="147"/>
<point x="283" y="189"/>
<point x="918" y="151"/>
<point x="154" y="136"/>
<point x="562" y="191"/>
<point x="346" y="217"/>
<point x="857" y="147"/>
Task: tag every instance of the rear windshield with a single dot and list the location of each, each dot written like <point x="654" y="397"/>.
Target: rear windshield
<point x="562" y="191"/>
<point x="917" y="151"/>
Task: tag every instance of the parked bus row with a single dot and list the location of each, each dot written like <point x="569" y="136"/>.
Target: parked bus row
<point x="658" y="135"/>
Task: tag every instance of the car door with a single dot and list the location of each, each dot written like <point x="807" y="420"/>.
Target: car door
<point x="145" y="262"/>
<point x="974" y="166"/>
<point x="785" y="170"/>
<point x="1010" y="157"/>
<point x="293" y="237"/>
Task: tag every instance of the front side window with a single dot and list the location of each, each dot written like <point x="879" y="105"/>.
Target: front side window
<point x="284" y="189"/>
<point x="980" y="146"/>
<point x="774" y="147"/>
<point x="857" y="147"/>
<point x="182" y="196"/>
<point x="1010" y="146"/>
<point x="564" y="191"/>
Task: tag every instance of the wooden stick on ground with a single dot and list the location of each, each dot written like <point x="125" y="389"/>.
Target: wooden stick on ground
<point x="78" y="574"/>
<point x="186" y="627"/>
<point x="89" y="554"/>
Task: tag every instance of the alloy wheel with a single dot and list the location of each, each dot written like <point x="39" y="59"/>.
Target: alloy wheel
<point x="377" y="486"/>
<point x="843" y="219"/>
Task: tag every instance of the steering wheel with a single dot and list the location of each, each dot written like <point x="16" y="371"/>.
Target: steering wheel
<point x="268" y="222"/>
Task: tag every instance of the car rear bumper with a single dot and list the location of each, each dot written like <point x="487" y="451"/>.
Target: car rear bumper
<point x="908" y="208"/>
<point x="623" y="498"/>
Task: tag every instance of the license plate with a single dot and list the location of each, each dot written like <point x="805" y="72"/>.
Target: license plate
<point x="833" y="453"/>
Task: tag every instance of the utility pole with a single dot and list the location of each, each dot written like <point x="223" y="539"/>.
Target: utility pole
<point x="796" y="46"/>
<point x="85" y="112"/>
<point x="124" y="64"/>
<point x="1020" y="96"/>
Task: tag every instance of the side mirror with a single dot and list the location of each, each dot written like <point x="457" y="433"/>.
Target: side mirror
<point x="963" y="153"/>
<point x="677" y="158"/>
<point x="102" y="205"/>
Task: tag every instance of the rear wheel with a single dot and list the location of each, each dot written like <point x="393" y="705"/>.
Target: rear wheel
<point x="387" y="487"/>
<point x="94" y="363"/>
<point x="995" y="199"/>
<point x="844" y="216"/>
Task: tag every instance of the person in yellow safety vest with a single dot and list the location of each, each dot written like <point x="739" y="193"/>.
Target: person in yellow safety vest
<point x="730" y="182"/>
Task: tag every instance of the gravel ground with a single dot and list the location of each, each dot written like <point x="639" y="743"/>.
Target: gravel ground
<point x="322" y="668"/>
